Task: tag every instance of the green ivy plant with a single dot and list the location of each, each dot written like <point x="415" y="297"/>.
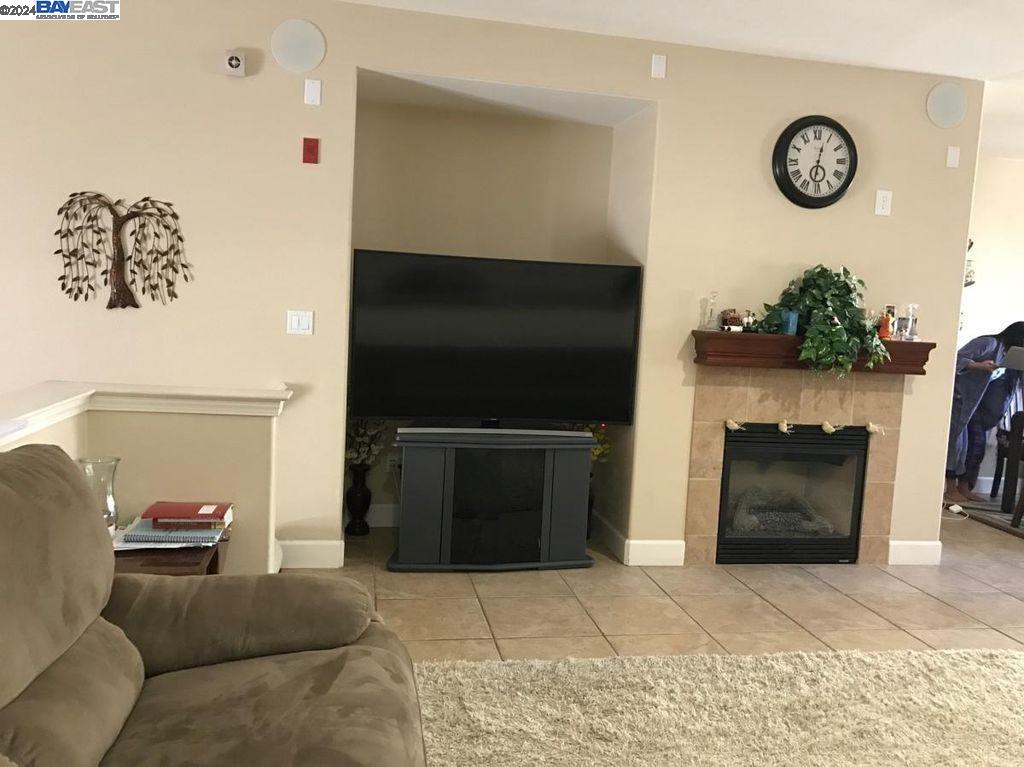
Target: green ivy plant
<point x="830" y="317"/>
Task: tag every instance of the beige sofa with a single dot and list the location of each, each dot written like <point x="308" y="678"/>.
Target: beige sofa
<point x="279" y="670"/>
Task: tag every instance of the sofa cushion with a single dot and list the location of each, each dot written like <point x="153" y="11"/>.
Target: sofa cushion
<point x="56" y="562"/>
<point x="198" y="620"/>
<point x="71" y="713"/>
<point x="351" y="706"/>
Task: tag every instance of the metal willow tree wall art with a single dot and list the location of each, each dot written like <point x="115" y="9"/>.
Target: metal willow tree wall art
<point x="135" y="248"/>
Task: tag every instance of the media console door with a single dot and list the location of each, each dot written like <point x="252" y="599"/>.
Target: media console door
<point x="493" y="499"/>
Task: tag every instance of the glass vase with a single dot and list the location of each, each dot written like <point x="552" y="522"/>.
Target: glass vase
<point x="99" y="474"/>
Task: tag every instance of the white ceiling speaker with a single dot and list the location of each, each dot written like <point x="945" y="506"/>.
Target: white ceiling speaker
<point x="298" y="45"/>
<point x="947" y="105"/>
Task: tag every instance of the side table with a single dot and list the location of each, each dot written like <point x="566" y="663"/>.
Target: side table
<point x="199" y="560"/>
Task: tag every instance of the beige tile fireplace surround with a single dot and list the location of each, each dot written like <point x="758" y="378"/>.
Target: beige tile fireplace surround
<point x="799" y="397"/>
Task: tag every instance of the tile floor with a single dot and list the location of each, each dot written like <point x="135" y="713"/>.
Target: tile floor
<point x="974" y="599"/>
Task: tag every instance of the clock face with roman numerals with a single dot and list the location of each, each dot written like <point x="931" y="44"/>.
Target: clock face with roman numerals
<point x="814" y="161"/>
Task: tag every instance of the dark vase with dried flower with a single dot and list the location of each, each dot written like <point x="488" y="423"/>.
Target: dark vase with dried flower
<point x="357" y="500"/>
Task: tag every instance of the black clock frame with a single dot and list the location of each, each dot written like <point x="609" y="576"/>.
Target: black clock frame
<point x="781" y="172"/>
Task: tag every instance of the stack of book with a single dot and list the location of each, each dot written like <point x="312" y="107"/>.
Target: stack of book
<point x="174" y="524"/>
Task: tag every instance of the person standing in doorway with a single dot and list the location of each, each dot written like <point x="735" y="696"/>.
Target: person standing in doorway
<point x="979" y="376"/>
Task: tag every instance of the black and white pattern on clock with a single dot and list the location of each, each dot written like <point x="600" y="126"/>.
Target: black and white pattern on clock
<point x="814" y="161"/>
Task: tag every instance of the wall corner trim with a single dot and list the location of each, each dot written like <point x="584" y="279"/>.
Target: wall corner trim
<point x="312" y="554"/>
<point x="915" y="552"/>
<point x="638" y="552"/>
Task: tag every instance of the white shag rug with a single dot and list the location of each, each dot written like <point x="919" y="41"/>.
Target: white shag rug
<point x="853" y="709"/>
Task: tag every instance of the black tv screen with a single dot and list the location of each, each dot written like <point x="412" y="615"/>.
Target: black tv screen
<point x="448" y="337"/>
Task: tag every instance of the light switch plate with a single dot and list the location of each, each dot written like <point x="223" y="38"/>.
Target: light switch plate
<point x="659" y="66"/>
<point x="952" y="157"/>
<point x="883" y="202"/>
<point x="311" y="93"/>
<point x="299" y="322"/>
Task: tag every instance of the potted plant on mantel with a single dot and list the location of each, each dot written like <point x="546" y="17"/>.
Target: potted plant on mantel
<point x="363" y="443"/>
<point x="829" y="305"/>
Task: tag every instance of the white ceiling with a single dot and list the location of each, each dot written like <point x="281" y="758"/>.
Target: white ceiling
<point x="496" y="98"/>
<point x="981" y="39"/>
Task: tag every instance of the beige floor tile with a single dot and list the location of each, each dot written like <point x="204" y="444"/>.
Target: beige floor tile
<point x="638" y="615"/>
<point x="860" y="579"/>
<point x="997" y="609"/>
<point x="759" y="642"/>
<point x="826" y="612"/>
<point x="512" y="617"/>
<point x="871" y="640"/>
<point x="414" y="619"/>
<point x="997" y="574"/>
<point x="422" y="585"/>
<point x="778" y="578"/>
<point x="452" y="649"/>
<point x="929" y="578"/>
<point x="555" y="648"/>
<point x="696" y="579"/>
<point x="666" y="644"/>
<point x="967" y="639"/>
<point x="610" y="579"/>
<point x="522" y="583"/>
<point x="917" y="611"/>
<point x="734" y="613"/>
<point x="1015" y="633"/>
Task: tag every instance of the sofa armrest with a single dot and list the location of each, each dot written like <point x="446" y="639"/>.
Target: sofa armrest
<point x="178" y="622"/>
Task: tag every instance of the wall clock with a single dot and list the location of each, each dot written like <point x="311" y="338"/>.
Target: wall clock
<point x="814" y="161"/>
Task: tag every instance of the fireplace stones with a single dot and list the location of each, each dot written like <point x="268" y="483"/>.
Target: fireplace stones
<point x="744" y="394"/>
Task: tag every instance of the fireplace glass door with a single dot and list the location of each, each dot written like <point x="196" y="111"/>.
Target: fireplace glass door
<point x="791" y="497"/>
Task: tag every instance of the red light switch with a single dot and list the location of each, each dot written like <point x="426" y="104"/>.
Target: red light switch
<point x="311" y="150"/>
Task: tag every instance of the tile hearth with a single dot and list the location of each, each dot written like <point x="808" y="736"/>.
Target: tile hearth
<point x="976" y="599"/>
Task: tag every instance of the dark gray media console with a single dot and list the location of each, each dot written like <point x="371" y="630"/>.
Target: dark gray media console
<point x="492" y="499"/>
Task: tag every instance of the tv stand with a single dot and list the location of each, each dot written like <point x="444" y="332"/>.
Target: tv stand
<point x="492" y="499"/>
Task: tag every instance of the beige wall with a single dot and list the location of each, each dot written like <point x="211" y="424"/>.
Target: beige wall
<point x="479" y="184"/>
<point x="174" y="456"/>
<point x="631" y="185"/>
<point x="997" y="228"/>
<point x="267" y="233"/>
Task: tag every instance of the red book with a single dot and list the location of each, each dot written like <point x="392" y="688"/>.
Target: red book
<point x="199" y="514"/>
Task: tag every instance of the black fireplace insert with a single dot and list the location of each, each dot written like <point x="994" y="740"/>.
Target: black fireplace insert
<point x="791" y="498"/>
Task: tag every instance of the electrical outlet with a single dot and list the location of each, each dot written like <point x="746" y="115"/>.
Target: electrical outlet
<point x="393" y="462"/>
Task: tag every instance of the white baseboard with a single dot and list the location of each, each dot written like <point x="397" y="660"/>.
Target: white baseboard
<point x="318" y="554"/>
<point x="637" y="552"/>
<point x="655" y="553"/>
<point x="915" y="552"/>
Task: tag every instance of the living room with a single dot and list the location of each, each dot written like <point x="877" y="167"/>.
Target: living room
<point x="272" y="162"/>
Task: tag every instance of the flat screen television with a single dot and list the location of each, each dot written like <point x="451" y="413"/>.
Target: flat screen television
<point x="447" y="338"/>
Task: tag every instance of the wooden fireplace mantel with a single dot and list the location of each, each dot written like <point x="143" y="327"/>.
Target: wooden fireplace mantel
<point x="762" y="350"/>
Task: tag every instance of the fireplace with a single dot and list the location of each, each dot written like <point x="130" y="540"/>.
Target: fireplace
<point x="791" y="498"/>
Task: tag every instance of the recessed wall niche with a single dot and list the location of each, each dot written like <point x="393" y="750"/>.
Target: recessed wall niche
<point x="470" y="168"/>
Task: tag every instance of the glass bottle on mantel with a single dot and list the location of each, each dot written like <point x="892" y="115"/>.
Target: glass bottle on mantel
<point x="99" y="474"/>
